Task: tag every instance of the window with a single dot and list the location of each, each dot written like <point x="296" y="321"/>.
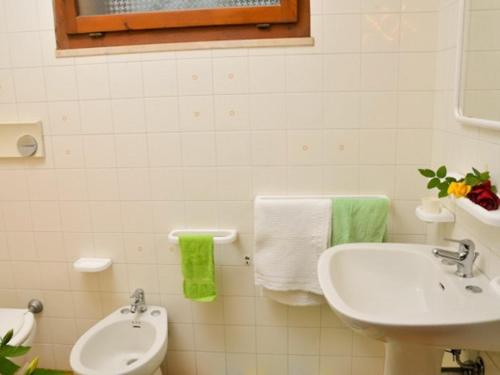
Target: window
<point x="104" y="23"/>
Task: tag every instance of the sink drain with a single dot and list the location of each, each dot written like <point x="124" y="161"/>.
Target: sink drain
<point x="131" y="361"/>
<point x="473" y="289"/>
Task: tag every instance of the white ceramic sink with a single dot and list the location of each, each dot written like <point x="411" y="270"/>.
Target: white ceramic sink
<point x="123" y="344"/>
<point x="402" y="295"/>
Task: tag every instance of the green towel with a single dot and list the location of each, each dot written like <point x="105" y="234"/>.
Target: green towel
<point x="359" y="220"/>
<point x="197" y="252"/>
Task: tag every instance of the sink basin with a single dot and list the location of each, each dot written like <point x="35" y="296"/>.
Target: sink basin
<point x="402" y="295"/>
<point x="123" y="343"/>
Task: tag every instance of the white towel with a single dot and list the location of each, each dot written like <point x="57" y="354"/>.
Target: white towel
<point x="290" y="235"/>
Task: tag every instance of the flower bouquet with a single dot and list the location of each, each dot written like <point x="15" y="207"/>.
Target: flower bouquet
<point x="475" y="186"/>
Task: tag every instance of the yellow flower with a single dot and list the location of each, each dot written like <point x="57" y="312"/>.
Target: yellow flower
<point x="459" y="189"/>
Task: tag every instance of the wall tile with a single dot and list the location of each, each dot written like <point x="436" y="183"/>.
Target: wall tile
<point x="230" y="75"/>
<point x="160" y="78"/>
<point x="128" y="116"/>
<point x="64" y="118"/>
<point x="267" y="74"/>
<point x="195" y="77"/>
<point x="380" y="32"/>
<point x="162" y="114"/>
<point x="342" y="72"/>
<point x="93" y="81"/>
<point x="125" y="80"/>
<point x="379" y="72"/>
<point x="196" y="113"/>
<point x="29" y="84"/>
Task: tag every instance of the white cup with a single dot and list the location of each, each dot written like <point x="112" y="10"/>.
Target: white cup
<point x="431" y="205"/>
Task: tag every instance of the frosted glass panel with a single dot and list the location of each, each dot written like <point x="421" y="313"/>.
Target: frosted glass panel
<point x="93" y="7"/>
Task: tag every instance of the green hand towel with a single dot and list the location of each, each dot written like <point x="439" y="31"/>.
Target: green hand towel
<point x="359" y="220"/>
<point x="197" y="252"/>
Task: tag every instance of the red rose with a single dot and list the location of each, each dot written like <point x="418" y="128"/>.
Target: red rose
<point x="483" y="196"/>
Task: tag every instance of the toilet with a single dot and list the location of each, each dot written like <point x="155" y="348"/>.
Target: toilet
<point x="23" y="322"/>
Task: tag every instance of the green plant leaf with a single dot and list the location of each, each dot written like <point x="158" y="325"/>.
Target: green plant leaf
<point x="7" y="367"/>
<point x="429" y="173"/>
<point x="451" y="179"/>
<point x="43" y="371"/>
<point x="30" y="369"/>
<point x="13" y="351"/>
<point x="442" y="171"/>
<point x="476" y="172"/>
<point x="485" y="176"/>
<point x="7" y="337"/>
<point x="433" y="183"/>
<point x="444" y="186"/>
<point x="443" y="193"/>
<point x="472" y="180"/>
<point x="494" y="189"/>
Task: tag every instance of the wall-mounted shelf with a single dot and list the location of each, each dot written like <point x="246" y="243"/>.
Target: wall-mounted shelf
<point x="92" y="264"/>
<point x="445" y="216"/>
<point x="221" y="236"/>
<point x="485" y="216"/>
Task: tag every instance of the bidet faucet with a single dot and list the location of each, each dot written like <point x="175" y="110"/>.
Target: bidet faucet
<point x="464" y="258"/>
<point x="138" y="301"/>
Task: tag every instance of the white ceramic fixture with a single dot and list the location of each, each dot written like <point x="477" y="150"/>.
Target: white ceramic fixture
<point x="22" y="322"/>
<point x="445" y="216"/>
<point x="123" y="343"/>
<point x="92" y="264"/>
<point x="401" y="294"/>
<point x="221" y="236"/>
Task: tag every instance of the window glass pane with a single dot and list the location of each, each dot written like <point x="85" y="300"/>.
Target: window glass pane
<point x="93" y="7"/>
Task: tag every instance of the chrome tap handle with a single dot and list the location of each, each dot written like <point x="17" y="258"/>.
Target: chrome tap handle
<point x="138" y="295"/>
<point x="466" y="244"/>
<point x="449" y="255"/>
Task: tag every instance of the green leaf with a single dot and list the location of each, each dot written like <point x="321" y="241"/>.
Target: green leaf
<point x="443" y="186"/>
<point x="476" y="172"/>
<point x="485" y="176"/>
<point x="494" y="189"/>
<point x="451" y="179"/>
<point x="429" y="173"/>
<point x="7" y="367"/>
<point x="42" y="371"/>
<point x="443" y="193"/>
<point x="7" y="337"/>
<point x="31" y="366"/>
<point x="433" y="183"/>
<point x="472" y="180"/>
<point x="13" y="351"/>
<point x="442" y="171"/>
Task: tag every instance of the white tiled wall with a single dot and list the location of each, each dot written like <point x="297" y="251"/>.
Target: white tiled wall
<point x="462" y="147"/>
<point x="482" y="89"/>
<point x="140" y="144"/>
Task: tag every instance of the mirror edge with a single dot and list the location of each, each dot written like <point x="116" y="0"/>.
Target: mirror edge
<point x="458" y="100"/>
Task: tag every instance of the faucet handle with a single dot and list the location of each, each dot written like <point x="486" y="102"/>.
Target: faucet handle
<point x="138" y="293"/>
<point x="465" y="244"/>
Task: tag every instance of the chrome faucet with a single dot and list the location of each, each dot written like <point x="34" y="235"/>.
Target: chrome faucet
<point x="464" y="258"/>
<point x="138" y="301"/>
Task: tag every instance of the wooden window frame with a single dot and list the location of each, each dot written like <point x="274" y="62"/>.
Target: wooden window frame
<point x="290" y="19"/>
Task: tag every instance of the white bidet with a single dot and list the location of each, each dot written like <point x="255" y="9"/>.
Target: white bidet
<point x="123" y="343"/>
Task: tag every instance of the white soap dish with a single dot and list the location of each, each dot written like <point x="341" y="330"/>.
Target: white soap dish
<point x="445" y="216"/>
<point x="92" y="264"/>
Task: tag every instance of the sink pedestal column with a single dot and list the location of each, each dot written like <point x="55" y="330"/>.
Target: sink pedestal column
<point x="409" y="359"/>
